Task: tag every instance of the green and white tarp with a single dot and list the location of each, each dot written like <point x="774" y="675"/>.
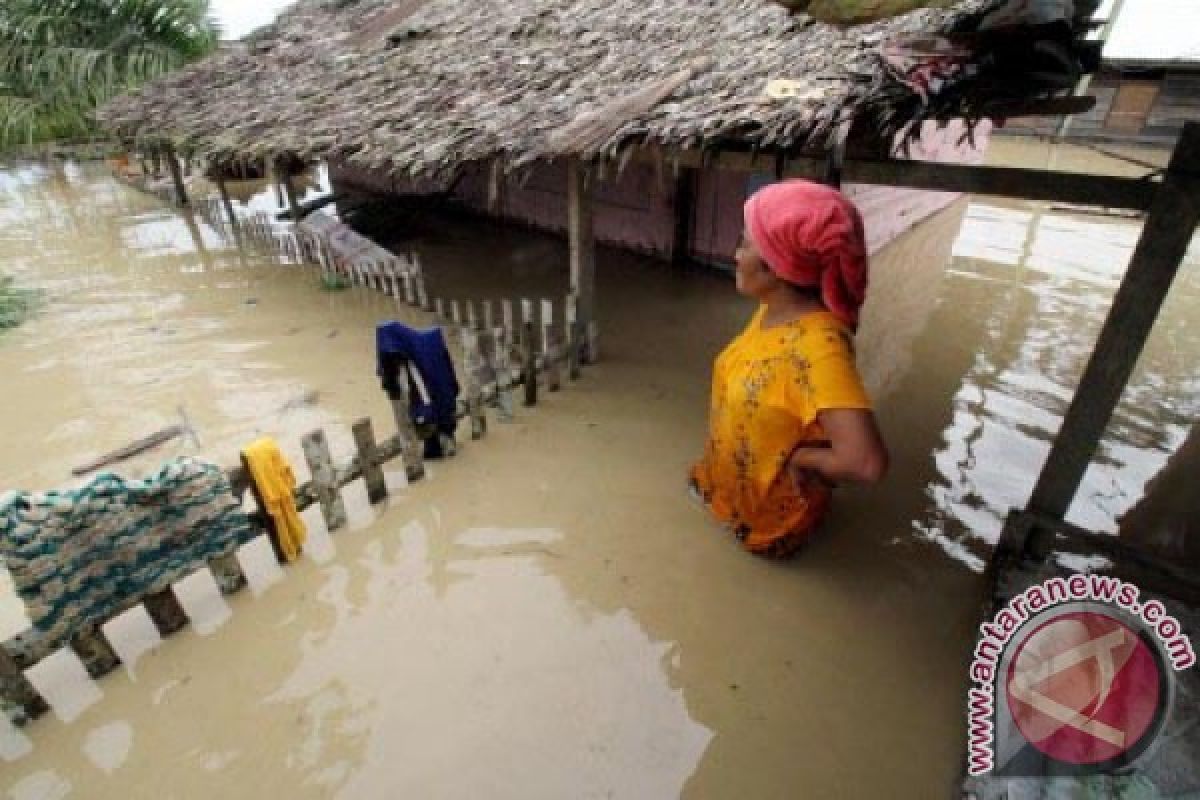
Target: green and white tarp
<point x="79" y="556"/>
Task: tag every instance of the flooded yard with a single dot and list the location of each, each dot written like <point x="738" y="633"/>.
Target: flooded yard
<point x="548" y="615"/>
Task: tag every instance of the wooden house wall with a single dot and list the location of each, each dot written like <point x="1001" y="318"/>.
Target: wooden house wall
<point x="1122" y="116"/>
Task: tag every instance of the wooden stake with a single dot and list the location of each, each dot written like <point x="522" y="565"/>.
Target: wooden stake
<point x="439" y="308"/>
<point x="410" y="296"/>
<point x="506" y="312"/>
<point x="473" y="366"/>
<point x="165" y="611"/>
<point x="422" y="295"/>
<point x="368" y="459"/>
<point x="413" y="449"/>
<point x="93" y="649"/>
<point x="268" y="522"/>
<point x="17" y="694"/>
<point x="489" y="321"/>
<point x="529" y="365"/>
<point x="456" y="313"/>
<point x="549" y="350"/>
<point x="320" y="464"/>
<point x="574" y="336"/>
<point x="227" y="572"/>
<point x="503" y="370"/>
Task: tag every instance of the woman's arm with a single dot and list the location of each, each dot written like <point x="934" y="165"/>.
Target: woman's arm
<point x="855" y="450"/>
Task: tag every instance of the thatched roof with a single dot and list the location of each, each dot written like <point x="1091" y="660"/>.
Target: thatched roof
<point x="423" y="86"/>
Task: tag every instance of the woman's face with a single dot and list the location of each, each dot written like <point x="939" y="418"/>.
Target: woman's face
<point x="753" y="277"/>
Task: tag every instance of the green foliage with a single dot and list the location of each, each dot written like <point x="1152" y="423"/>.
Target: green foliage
<point x="61" y="59"/>
<point x="15" y="304"/>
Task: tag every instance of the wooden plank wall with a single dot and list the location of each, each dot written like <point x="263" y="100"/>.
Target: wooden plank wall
<point x="1177" y="102"/>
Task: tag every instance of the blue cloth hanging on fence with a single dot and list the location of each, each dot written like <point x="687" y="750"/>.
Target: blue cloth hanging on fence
<point x="397" y="345"/>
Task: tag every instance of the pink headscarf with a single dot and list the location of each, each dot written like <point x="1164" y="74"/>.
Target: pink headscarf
<point x="811" y="235"/>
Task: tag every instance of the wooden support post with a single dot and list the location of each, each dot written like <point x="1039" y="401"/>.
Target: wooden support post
<point x="17" y="695"/>
<point x="684" y="203"/>
<point x="489" y="319"/>
<point x="368" y="460"/>
<point x="439" y="309"/>
<point x="293" y="200"/>
<point x="1160" y="250"/>
<point x="165" y="611"/>
<point x="456" y="314"/>
<point x="549" y="346"/>
<point x="227" y="572"/>
<point x="324" y="480"/>
<point x="501" y="366"/>
<point x="93" y="649"/>
<point x="529" y="354"/>
<point x="181" y="196"/>
<point x="472" y="367"/>
<point x="472" y="319"/>
<point x="574" y="334"/>
<point x="582" y="246"/>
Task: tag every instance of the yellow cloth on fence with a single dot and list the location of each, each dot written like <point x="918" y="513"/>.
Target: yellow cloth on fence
<point x="273" y="477"/>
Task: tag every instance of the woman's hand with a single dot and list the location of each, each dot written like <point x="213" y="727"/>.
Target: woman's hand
<point x="854" y="452"/>
<point x="806" y="480"/>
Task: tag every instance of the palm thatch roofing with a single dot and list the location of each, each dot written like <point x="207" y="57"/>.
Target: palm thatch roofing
<point x="421" y="87"/>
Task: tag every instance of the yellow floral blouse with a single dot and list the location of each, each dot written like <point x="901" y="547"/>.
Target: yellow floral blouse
<point x="768" y="386"/>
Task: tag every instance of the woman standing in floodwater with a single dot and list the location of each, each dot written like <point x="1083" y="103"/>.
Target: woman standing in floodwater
<point x="790" y="417"/>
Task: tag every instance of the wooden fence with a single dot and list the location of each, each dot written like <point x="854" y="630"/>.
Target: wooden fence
<point x="505" y="347"/>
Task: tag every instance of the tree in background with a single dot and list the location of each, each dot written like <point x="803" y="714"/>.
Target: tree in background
<point x="61" y="59"/>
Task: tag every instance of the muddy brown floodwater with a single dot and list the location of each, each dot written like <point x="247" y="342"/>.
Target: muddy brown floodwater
<point x="548" y="616"/>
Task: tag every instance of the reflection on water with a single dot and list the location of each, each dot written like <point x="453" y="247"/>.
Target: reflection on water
<point x="1033" y="287"/>
<point x="548" y="615"/>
